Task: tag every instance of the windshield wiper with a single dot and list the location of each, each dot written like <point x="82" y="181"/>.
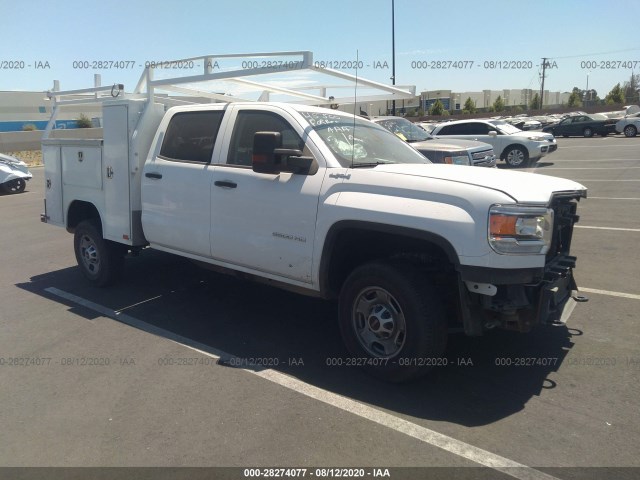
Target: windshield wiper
<point x="368" y="164"/>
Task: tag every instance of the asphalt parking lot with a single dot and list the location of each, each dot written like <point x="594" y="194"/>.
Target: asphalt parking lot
<point x="128" y="376"/>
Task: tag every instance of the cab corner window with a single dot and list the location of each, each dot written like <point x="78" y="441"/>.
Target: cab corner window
<point x="190" y="136"/>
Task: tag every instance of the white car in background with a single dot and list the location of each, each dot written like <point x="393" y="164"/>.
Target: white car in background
<point x="629" y="125"/>
<point x="515" y="147"/>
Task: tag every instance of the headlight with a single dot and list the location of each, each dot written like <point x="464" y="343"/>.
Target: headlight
<point x="519" y="229"/>
<point x="457" y="160"/>
<point x="537" y="139"/>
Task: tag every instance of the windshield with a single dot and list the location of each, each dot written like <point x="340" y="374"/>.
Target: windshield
<point x="404" y="129"/>
<point x="357" y="142"/>
<point x="506" y="128"/>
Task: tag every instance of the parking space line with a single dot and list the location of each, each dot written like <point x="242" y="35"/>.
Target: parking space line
<point x="601" y="180"/>
<point x="585" y="168"/>
<point x="613" y="198"/>
<point x="601" y="160"/>
<point x="598" y="146"/>
<point x="610" y="293"/>
<point x="609" y="228"/>
<point x="425" y="435"/>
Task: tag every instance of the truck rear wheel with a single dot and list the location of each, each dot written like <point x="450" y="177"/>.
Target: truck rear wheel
<point x="391" y="321"/>
<point x="100" y="260"/>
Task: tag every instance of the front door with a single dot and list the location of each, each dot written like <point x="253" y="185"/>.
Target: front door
<point x="264" y="222"/>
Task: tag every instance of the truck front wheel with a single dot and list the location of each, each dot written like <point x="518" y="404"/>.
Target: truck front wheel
<point x="100" y="260"/>
<point x="391" y="321"/>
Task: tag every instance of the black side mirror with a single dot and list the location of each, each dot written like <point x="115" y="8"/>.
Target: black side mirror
<point x="268" y="157"/>
<point x="264" y="147"/>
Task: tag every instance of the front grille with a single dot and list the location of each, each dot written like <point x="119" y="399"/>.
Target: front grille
<point x="482" y="155"/>
<point x="564" y="217"/>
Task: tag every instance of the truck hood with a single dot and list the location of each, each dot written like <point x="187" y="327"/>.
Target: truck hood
<point x="528" y="134"/>
<point x="450" y="145"/>
<point x="523" y="187"/>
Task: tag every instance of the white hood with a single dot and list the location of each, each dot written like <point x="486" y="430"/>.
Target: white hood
<point x="523" y="187"/>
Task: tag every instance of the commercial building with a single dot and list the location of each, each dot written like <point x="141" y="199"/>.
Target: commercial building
<point x="485" y="98"/>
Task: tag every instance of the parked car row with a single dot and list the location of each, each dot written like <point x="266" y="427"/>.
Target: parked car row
<point x="14" y="174"/>
<point x="512" y="145"/>
<point x="454" y="152"/>
<point x="629" y="125"/>
<point x="519" y="141"/>
<point x="583" y="126"/>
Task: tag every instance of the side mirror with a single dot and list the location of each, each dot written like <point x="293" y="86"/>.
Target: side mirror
<point x="268" y="157"/>
<point x="493" y="133"/>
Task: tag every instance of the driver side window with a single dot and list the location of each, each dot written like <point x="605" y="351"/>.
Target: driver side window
<point x="247" y="124"/>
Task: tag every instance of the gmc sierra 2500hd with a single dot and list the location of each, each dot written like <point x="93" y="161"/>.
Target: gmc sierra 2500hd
<point x="326" y="204"/>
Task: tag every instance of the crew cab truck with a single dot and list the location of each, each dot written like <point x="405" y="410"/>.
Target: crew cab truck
<point x="326" y="204"/>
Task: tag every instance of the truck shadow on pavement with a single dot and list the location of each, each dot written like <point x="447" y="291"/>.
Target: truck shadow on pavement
<point x="485" y="379"/>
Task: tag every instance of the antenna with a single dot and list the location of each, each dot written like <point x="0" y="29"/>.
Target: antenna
<point x="355" y="102"/>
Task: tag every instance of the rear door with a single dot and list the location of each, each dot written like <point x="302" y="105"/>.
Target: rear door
<point x="176" y="183"/>
<point x="261" y="221"/>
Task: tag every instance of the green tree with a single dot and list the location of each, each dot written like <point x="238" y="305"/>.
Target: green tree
<point x="517" y="109"/>
<point x="469" y="106"/>
<point x="632" y="89"/>
<point x="437" y="108"/>
<point x="616" y="95"/>
<point x="575" y="99"/>
<point x="534" y="104"/>
<point x="498" y="105"/>
<point x="83" y="121"/>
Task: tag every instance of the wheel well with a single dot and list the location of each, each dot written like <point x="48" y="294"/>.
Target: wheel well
<point x="80" y="211"/>
<point x="351" y="247"/>
<point x="509" y="147"/>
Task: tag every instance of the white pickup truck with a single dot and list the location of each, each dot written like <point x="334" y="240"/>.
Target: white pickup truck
<point x="326" y="204"/>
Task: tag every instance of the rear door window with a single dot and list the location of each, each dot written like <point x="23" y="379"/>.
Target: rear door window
<point x="190" y="136"/>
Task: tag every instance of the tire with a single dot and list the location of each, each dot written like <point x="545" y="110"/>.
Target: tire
<point x="100" y="261"/>
<point x="587" y="132"/>
<point x="391" y="317"/>
<point x="516" y="156"/>
<point x="630" y="131"/>
<point x="15" y="186"/>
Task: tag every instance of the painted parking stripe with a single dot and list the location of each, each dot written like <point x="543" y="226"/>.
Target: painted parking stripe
<point x="609" y="228"/>
<point x="426" y="435"/>
<point x="613" y="198"/>
<point x="599" y="146"/>
<point x="601" y="160"/>
<point x="610" y="293"/>
<point x="543" y="169"/>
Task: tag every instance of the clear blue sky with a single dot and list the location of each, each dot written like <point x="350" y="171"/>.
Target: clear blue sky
<point x="567" y="31"/>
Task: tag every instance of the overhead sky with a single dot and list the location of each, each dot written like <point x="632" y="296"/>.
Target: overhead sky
<point x="488" y="44"/>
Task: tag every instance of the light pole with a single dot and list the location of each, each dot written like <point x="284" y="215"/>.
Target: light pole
<point x="587" y="92"/>
<point x="393" y="52"/>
